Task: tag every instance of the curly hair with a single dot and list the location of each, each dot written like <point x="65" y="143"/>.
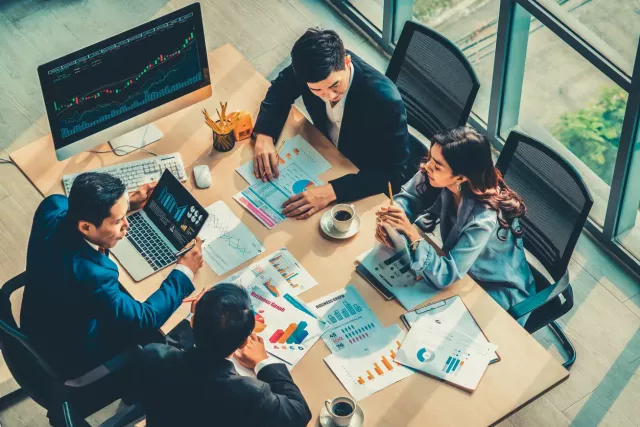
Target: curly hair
<point x="468" y="154"/>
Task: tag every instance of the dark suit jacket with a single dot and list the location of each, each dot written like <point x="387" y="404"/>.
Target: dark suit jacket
<point x="73" y="308"/>
<point x="373" y="135"/>
<point x="183" y="388"/>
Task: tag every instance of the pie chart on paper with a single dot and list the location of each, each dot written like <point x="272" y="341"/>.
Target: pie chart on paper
<point x="301" y="185"/>
<point x="425" y="355"/>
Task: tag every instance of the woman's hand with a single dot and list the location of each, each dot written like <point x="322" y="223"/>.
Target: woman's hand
<point x="397" y="218"/>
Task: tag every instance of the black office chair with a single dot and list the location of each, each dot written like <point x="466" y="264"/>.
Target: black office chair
<point x="40" y="381"/>
<point x="436" y="81"/>
<point x="558" y="203"/>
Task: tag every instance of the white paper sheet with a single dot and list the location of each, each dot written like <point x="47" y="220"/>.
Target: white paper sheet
<point x="295" y="150"/>
<point x="369" y="367"/>
<point x="229" y="242"/>
<point x="349" y="317"/>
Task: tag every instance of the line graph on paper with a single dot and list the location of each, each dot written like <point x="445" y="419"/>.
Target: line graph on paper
<point x="229" y="242"/>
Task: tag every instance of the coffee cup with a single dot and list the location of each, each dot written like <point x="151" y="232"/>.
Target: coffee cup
<point x="342" y="216"/>
<point x="341" y="410"/>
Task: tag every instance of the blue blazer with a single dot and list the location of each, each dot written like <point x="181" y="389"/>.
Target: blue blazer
<point x="73" y="308"/>
<point x="470" y="244"/>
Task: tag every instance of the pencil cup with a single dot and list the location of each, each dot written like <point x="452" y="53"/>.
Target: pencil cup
<point x="224" y="142"/>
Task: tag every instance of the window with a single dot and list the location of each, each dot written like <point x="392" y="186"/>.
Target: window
<point x="472" y="27"/>
<point x="370" y="9"/>
<point x="569" y="104"/>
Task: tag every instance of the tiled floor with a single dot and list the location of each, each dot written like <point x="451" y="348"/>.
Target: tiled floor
<point x="604" y="386"/>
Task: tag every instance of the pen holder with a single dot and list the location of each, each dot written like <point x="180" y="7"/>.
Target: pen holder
<point x="224" y="142"/>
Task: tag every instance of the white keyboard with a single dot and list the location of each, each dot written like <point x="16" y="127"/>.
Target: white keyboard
<point x="139" y="172"/>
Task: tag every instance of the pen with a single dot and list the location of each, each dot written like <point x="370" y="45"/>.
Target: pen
<point x="390" y="193"/>
<point x="185" y="250"/>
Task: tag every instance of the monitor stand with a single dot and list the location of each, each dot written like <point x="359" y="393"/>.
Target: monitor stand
<point x="135" y="139"/>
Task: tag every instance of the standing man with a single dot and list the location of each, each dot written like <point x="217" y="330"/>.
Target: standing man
<point x="355" y="106"/>
<point x="74" y="310"/>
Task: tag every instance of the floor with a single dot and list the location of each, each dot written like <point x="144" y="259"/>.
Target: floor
<point x="604" y="386"/>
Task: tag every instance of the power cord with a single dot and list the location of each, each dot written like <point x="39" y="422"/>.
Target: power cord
<point x="5" y="161"/>
<point x="115" y="150"/>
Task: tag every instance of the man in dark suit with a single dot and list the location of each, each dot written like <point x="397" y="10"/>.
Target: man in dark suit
<point x="73" y="308"/>
<point x="355" y="106"/>
<point x="200" y="386"/>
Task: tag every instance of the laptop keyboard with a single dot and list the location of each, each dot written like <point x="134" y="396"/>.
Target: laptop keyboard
<point x="148" y="243"/>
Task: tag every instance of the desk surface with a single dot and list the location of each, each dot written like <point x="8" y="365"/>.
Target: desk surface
<point x="526" y="370"/>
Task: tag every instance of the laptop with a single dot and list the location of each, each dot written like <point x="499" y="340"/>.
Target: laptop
<point x="169" y="221"/>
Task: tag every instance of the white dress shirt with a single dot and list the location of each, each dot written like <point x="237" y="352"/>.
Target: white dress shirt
<point x="180" y="267"/>
<point x="336" y="112"/>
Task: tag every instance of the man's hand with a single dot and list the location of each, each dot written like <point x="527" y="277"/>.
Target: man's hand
<point x="252" y="353"/>
<point x="381" y="234"/>
<point x="307" y="203"/>
<point x="193" y="259"/>
<point x="397" y="218"/>
<point x="265" y="159"/>
<point x="139" y="198"/>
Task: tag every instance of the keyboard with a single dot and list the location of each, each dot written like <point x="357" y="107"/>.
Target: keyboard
<point x="155" y="251"/>
<point x="134" y="174"/>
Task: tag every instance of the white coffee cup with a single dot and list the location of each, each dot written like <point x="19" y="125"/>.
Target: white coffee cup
<point x="345" y="407"/>
<point x="343" y="225"/>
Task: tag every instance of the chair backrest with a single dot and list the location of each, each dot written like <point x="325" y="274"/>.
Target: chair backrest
<point x="27" y="367"/>
<point x="437" y="83"/>
<point x="557" y="200"/>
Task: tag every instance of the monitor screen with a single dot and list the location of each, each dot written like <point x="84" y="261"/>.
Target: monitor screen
<point x="126" y="75"/>
<point x="175" y="211"/>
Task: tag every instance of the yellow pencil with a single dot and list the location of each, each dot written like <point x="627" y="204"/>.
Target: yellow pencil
<point x="280" y="148"/>
<point x="390" y="193"/>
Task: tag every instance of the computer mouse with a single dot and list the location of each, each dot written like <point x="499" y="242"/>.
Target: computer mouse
<point x="202" y="176"/>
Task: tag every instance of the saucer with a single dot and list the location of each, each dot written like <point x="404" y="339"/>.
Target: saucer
<point x="326" y="225"/>
<point x="356" y="421"/>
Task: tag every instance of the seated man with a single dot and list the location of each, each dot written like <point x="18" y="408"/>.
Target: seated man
<point x="73" y="308"/>
<point x="200" y="386"/>
<point x="355" y="106"/>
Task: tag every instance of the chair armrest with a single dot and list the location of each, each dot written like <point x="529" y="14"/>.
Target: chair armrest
<point x="541" y="298"/>
<point x="109" y="367"/>
<point x="15" y="283"/>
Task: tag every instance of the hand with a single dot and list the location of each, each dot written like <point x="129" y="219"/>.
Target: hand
<point x="308" y="202"/>
<point x="397" y="218"/>
<point x="252" y="353"/>
<point x="381" y="234"/>
<point x="265" y="159"/>
<point x="193" y="259"/>
<point x="194" y="303"/>
<point x="139" y="198"/>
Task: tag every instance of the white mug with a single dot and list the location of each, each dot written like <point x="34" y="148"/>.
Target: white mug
<point x="341" y="419"/>
<point x="342" y="225"/>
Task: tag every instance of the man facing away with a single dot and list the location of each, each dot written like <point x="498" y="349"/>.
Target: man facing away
<point x="355" y="106"/>
<point x="73" y="309"/>
<point x="200" y="386"/>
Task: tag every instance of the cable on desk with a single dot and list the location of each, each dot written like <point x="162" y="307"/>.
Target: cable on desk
<point x="114" y="150"/>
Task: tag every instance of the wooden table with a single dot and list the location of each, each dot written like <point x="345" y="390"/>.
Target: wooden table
<point x="526" y="371"/>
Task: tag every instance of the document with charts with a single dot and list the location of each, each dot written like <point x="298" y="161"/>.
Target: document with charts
<point x="391" y="269"/>
<point x="295" y="150"/>
<point x="350" y="319"/>
<point x="229" y="242"/>
<point x="370" y="366"/>
<point x="288" y="329"/>
<point x="448" y="355"/>
<point x="264" y="200"/>
<point x="279" y="273"/>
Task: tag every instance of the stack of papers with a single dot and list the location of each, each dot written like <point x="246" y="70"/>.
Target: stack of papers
<point x="279" y="273"/>
<point x="445" y="354"/>
<point x="229" y="242"/>
<point x="288" y="329"/>
<point x="350" y="319"/>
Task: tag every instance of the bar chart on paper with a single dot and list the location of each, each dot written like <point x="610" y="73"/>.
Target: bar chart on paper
<point x="364" y="372"/>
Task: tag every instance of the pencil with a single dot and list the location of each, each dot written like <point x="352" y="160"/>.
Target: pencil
<point x="390" y="193"/>
<point x="278" y="150"/>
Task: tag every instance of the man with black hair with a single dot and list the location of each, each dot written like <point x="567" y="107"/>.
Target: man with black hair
<point x="355" y="106"/>
<point x="73" y="309"/>
<point x="200" y="386"/>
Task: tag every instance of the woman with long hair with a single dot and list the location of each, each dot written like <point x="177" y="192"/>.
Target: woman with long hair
<point x="478" y="215"/>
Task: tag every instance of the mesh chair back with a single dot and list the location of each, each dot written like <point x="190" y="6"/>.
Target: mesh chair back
<point x="436" y="82"/>
<point x="558" y="201"/>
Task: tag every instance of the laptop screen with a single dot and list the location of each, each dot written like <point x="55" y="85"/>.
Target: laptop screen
<point x="175" y="211"/>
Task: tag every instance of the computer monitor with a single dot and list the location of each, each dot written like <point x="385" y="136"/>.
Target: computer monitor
<point x="115" y="87"/>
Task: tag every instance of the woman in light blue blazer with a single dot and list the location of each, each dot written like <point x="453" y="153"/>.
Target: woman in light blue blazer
<point x="478" y="215"/>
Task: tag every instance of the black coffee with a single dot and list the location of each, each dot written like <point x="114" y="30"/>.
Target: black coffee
<point x="342" y="216"/>
<point x="342" y="409"/>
